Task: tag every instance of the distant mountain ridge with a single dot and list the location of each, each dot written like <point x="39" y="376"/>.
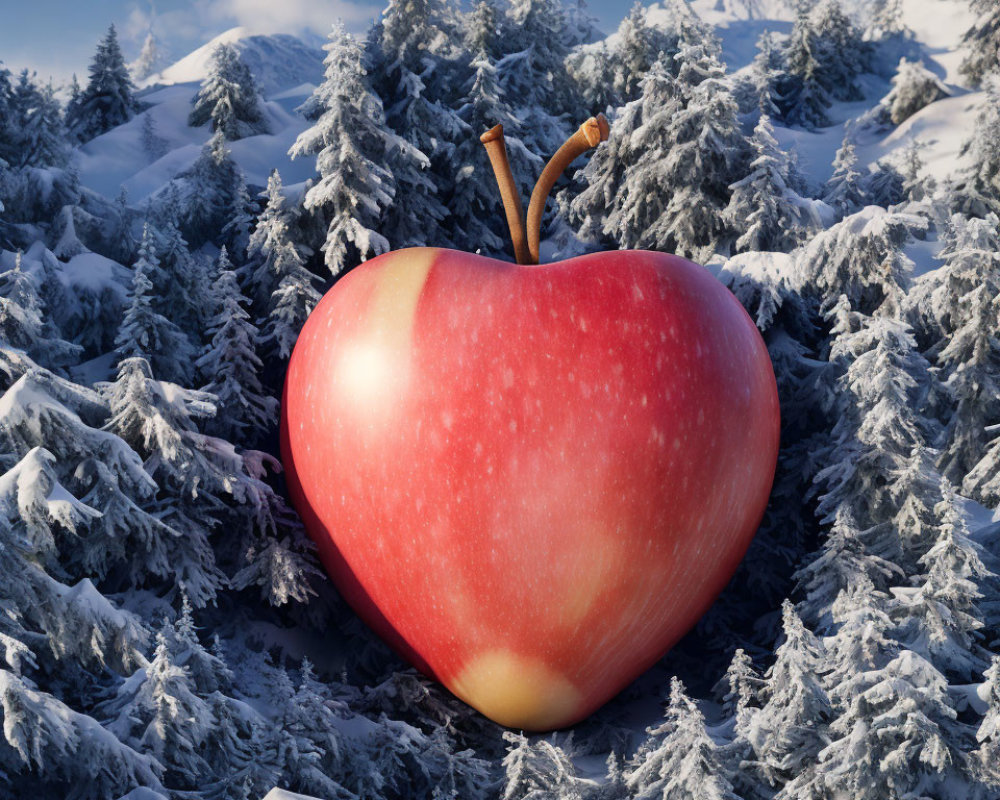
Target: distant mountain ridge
<point x="278" y="61"/>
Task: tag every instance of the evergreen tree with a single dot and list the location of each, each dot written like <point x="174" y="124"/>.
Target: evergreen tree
<point x="982" y="41"/>
<point x="847" y="258"/>
<point x="913" y="87"/>
<point x="533" y="70"/>
<point x="541" y="770"/>
<point x="786" y="734"/>
<point x="231" y="365"/>
<point x="986" y="758"/>
<point x="767" y="68"/>
<point x="108" y="100"/>
<point x="350" y="141"/>
<point x="977" y="191"/>
<point x="146" y="333"/>
<point x="804" y="97"/>
<point x="229" y="98"/>
<point x="149" y="61"/>
<point x="273" y="231"/>
<point x="413" y="44"/>
<point x="213" y="184"/>
<point x="601" y="198"/>
<point x="844" y="189"/>
<point x="897" y="738"/>
<point x="768" y="214"/>
<point x="841" y="53"/>
<point x="23" y="323"/>
<point x="192" y="471"/>
<point x="972" y="359"/>
<point x="941" y="621"/>
<point x="679" y="759"/>
<point x="637" y="49"/>
<point x="157" y="711"/>
<point x="42" y="133"/>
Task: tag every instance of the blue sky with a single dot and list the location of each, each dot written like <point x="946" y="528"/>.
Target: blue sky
<point x="57" y="37"/>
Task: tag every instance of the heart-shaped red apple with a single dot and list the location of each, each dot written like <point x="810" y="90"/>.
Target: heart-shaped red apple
<point x="530" y="480"/>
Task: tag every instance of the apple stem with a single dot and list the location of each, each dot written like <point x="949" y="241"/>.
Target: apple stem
<point x="496" y="148"/>
<point x="590" y="134"/>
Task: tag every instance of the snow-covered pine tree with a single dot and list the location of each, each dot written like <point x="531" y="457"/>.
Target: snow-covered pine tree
<point x="108" y="99"/>
<point x="971" y="256"/>
<point x="788" y="731"/>
<point x="844" y="191"/>
<point x="679" y="759"/>
<point x="766" y="71"/>
<point x="913" y="87"/>
<point x="229" y="98"/>
<point x="231" y="366"/>
<point x="941" y="619"/>
<point x="353" y="147"/>
<point x="689" y="154"/>
<point x="983" y="481"/>
<point x="533" y="70"/>
<point x="241" y="215"/>
<point x="595" y="211"/>
<point x="194" y="472"/>
<point x="763" y="209"/>
<point x="637" y="48"/>
<point x="211" y="193"/>
<point x="540" y="769"/>
<point x="885" y="20"/>
<point x="146" y="333"/>
<point x="982" y="41"/>
<point x="42" y="133"/>
<point x="181" y="285"/>
<point x="8" y="131"/>
<point x="155" y="145"/>
<point x="739" y="691"/>
<point x="841" y="52"/>
<point x="25" y="325"/>
<point x="915" y="488"/>
<point x="897" y="738"/>
<point x="986" y="758"/>
<point x="846" y="258"/>
<point x="862" y="642"/>
<point x="803" y="97"/>
<point x="157" y="711"/>
<point x="291" y="302"/>
<point x="412" y="48"/>
<point x="977" y="190"/>
<point x="150" y="59"/>
<point x="972" y="361"/>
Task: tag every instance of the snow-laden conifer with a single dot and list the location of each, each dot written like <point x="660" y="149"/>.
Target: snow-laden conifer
<point x="108" y="99"/>
<point x="146" y="333"/>
<point x="982" y="41"/>
<point x="679" y="759"/>
<point x="844" y="191"/>
<point x="231" y="365"/>
<point x="357" y="179"/>
<point x="788" y="732"/>
<point x="766" y="212"/>
<point x="941" y="619"/>
<point x="229" y="98"/>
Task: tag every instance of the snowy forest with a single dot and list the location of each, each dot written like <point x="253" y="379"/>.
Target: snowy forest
<point x="165" y="229"/>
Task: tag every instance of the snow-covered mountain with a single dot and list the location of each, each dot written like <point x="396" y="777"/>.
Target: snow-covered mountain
<point x="279" y="62"/>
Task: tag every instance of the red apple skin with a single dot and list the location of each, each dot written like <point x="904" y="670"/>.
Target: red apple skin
<point x="531" y="481"/>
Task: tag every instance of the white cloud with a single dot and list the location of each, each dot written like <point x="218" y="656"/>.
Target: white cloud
<point x="292" y="16"/>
